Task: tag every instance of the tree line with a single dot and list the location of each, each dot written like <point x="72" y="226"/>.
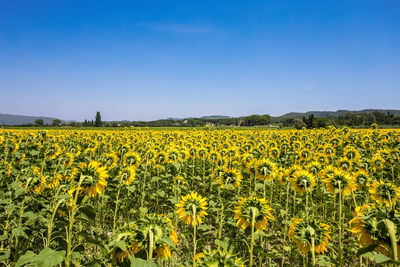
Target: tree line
<point x="350" y="119"/>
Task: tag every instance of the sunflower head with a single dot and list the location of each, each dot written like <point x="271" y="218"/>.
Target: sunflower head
<point x="229" y="178"/>
<point x="340" y="181"/>
<point x="110" y="160"/>
<point x="361" y="179"/>
<point x="371" y="224"/>
<point x="252" y="206"/>
<point x="127" y="175"/>
<point x="303" y="181"/>
<point x="192" y="208"/>
<point x="218" y="257"/>
<point x="92" y="177"/>
<point x="384" y="193"/>
<point x="303" y="231"/>
<point x="53" y="151"/>
<point x="265" y="169"/>
<point x="132" y="159"/>
<point x="137" y="235"/>
<point x="68" y="159"/>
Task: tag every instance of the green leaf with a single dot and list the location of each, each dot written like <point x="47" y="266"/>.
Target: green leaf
<point x="4" y="256"/>
<point x="137" y="262"/>
<point x="224" y="244"/>
<point x="377" y="257"/>
<point x="323" y="260"/>
<point x="203" y="227"/>
<point x="142" y="211"/>
<point x="364" y="250"/>
<point x="32" y="217"/>
<point x="155" y="179"/>
<point x="168" y="241"/>
<point x="122" y="245"/>
<point x="28" y="257"/>
<point x="64" y="196"/>
<point x="49" y="258"/>
<point x="18" y="232"/>
<point x="287" y="248"/>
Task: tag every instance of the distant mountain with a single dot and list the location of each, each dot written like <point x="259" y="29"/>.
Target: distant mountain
<point x="325" y="114"/>
<point x="212" y="117"/>
<point x="9" y="119"/>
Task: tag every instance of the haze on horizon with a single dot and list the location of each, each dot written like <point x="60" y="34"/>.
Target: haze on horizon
<point x="147" y="60"/>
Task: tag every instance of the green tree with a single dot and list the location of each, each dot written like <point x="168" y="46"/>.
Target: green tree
<point x="39" y="122"/>
<point x="299" y="123"/>
<point x="56" y="122"/>
<point x="98" y="119"/>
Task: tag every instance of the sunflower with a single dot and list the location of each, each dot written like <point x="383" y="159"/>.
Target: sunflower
<point x="265" y="169"/>
<point x="109" y="160"/>
<point x="229" y="178"/>
<point x="192" y="206"/>
<point x="93" y="177"/>
<point x="18" y="158"/>
<point x="314" y="167"/>
<point x="377" y="162"/>
<point x="53" y="181"/>
<point x="179" y="179"/>
<point x="345" y="163"/>
<point x="132" y="248"/>
<point x="68" y="159"/>
<point x="132" y="159"/>
<point x="157" y="227"/>
<point x="6" y="169"/>
<point x="38" y="183"/>
<point x="127" y="175"/>
<point x="89" y="152"/>
<point x="361" y="178"/>
<point x="244" y="213"/>
<point x="302" y="180"/>
<point x="173" y="155"/>
<point x="351" y="152"/>
<point x="371" y="223"/>
<point x="302" y="231"/>
<point x="248" y="163"/>
<point x="340" y="180"/>
<point x="384" y="193"/>
<point x="283" y="175"/>
<point x="53" y="151"/>
<point x="218" y="257"/>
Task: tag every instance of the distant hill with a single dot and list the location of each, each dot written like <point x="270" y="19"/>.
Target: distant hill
<point x="212" y="117"/>
<point x="325" y="114"/>
<point x="9" y="119"/>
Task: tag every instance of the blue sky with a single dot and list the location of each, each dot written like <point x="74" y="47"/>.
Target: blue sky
<point x="145" y="60"/>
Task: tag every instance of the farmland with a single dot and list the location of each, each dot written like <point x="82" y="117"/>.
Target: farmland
<point x="201" y="197"/>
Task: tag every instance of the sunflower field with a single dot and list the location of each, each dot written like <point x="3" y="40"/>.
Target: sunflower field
<point x="200" y="197"/>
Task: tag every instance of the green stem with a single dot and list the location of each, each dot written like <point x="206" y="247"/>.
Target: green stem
<point x="54" y="211"/>
<point x="151" y="236"/>
<point x="253" y="219"/>
<point x="312" y="232"/>
<point x="393" y="240"/>
<point x="71" y="224"/>
<point x="286" y="214"/>
<point x="144" y="184"/>
<point x="194" y="234"/>
<point x="340" y="227"/>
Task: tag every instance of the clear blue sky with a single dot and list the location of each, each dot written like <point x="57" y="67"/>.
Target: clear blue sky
<point x="145" y="60"/>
